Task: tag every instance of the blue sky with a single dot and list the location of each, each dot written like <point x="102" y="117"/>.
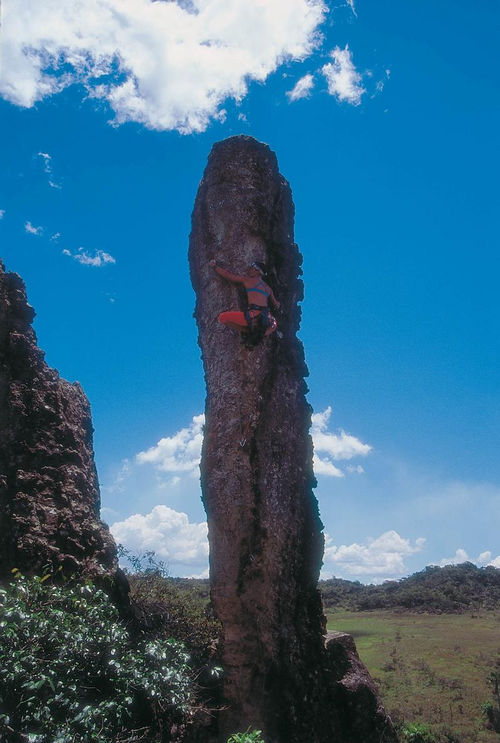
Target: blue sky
<point x="384" y="118"/>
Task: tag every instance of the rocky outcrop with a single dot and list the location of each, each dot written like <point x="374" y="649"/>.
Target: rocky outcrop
<point x="360" y="715"/>
<point x="265" y="533"/>
<point x="49" y="492"/>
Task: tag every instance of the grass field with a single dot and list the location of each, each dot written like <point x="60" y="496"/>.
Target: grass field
<point x="429" y="668"/>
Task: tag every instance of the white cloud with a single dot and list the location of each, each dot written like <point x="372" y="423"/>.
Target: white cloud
<point x="302" y="88"/>
<point x="484" y="557"/>
<point x="382" y="556"/>
<point x="461" y="555"/>
<point x="182" y="451"/>
<point x="98" y="259"/>
<point x="2" y="213"/>
<point x="47" y="166"/>
<point x="325" y="467"/>
<point x="351" y="5"/>
<point x="338" y="447"/>
<point x="164" y="64"/>
<point x="343" y="80"/>
<point x="32" y="230"/>
<point x="183" y="545"/>
<point x="178" y="453"/>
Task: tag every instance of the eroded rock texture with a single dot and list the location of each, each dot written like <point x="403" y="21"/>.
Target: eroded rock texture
<point x="265" y="534"/>
<point x="49" y="493"/>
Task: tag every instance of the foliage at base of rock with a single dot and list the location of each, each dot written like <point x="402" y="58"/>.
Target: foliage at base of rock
<point x="164" y="606"/>
<point x="69" y="673"/>
<point x="417" y="732"/>
<point x="249" y="736"/>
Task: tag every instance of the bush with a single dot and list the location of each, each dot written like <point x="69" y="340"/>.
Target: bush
<point x="166" y="606"/>
<point x="418" y="732"/>
<point x="251" y="736"/>
<point x="69" y="674"/>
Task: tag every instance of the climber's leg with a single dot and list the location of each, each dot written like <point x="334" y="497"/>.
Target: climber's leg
<point x="234" y="319"/>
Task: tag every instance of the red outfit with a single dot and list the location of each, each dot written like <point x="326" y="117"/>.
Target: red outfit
<point x="236" y="319"/>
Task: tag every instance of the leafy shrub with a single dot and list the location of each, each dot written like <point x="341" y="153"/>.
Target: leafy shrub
<point x="69" y="674"/>
<point x="250" y="736"/>
<point x="418" y="732"/>
<point x="168" y="606"/>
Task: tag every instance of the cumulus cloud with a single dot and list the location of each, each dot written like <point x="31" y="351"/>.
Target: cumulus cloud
<point x="178" y="453"/>
<point x="2" y="213"/>
<point x="461" y="555"/>
<point x="47" y="166"/>
<point x="334" y="446"/>
<point x="344" y="82"/>
<point x="98" y="259"/>
<point x="167" y="65"/>
<point x="32" y="230"/>
<point x="382" y="556"/>
<point x="181" y="452"/>
<point x="302" y="88"/>
<point x="183" y="545"/>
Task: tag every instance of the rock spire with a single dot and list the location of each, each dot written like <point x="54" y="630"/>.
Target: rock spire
<point x="265" y="533"/>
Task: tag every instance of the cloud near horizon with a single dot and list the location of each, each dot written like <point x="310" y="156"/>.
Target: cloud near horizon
<point x="461" y="555"/>
<point x="181" y="544"/>
<point x="383" y="556"/>
<point x="167" y="65"/>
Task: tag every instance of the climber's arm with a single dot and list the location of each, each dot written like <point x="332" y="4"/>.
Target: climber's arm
<point x="273" y="299"/>
<point x="227" y="274"/>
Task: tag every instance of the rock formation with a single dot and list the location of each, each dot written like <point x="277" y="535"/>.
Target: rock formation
<point x="49" y="493"/>
<point x="265" y="533"/>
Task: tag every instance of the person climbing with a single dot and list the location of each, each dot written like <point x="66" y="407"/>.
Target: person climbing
<point x="256" y="320"/>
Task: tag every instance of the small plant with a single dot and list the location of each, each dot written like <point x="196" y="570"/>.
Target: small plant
<point x="418" y="732"/>
<point x="69" y="673"/>
<point x="250" y="736"/>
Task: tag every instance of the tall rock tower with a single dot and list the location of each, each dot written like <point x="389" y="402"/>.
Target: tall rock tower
<point x="265" y="534"/>
<point x="49" y="493"/>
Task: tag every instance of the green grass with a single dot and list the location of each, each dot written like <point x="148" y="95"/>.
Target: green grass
<point x="430" y="668"/>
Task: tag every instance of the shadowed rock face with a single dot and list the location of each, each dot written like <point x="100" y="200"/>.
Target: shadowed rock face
<point x="49" y="493"/>
<point x="265" y="534"/>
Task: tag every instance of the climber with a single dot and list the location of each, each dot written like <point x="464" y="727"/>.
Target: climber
<point x="256" y="321"/>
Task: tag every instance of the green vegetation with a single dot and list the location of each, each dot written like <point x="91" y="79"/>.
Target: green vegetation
<point x="72" y="671"/>
<point x="417" y="732"/>
<point x="431" y="670"/>
<point x="454" y="588"/>
<point x="250" y="736"/>
<point x="172" y="607"/>
<point x="70" y="674"/>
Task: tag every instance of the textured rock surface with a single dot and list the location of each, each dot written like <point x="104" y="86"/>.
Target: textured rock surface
<point x="49" y="493"/>
<point x="265" y="534"/>
<point x="360" y="715"/>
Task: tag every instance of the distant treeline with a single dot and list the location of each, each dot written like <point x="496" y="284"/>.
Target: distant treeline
<point x="452" y="589"/>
